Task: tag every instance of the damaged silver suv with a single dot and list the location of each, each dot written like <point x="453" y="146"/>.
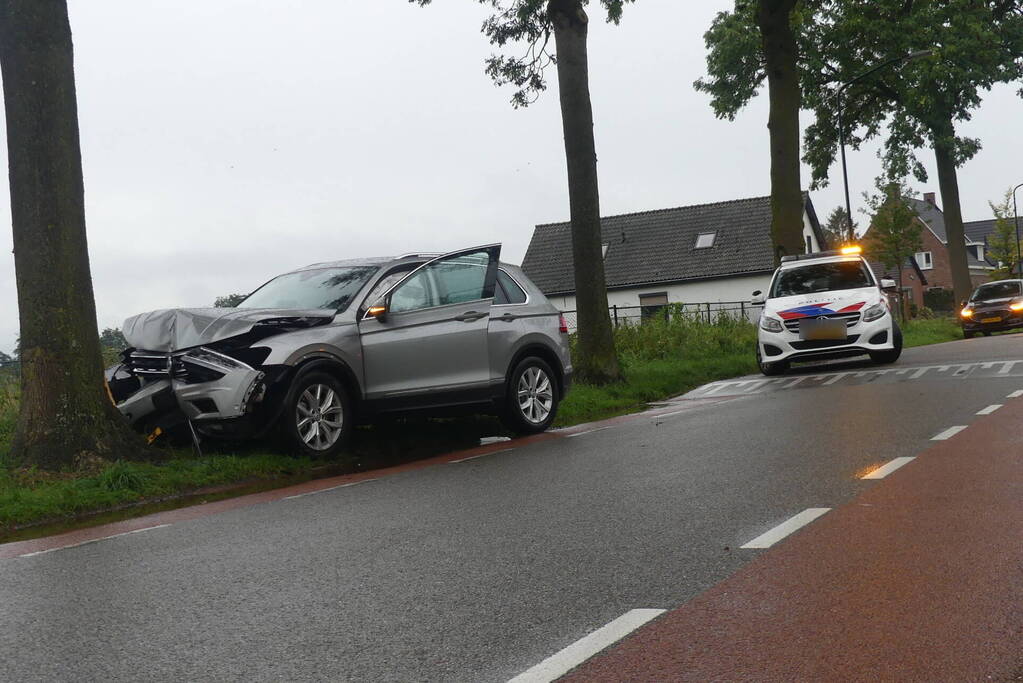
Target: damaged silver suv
<point x="316" y="350"/>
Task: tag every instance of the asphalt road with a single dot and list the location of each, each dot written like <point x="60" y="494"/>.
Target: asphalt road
<point x="480" y="570"/>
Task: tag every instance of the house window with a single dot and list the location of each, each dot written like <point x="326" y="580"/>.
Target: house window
<point x="809" y="244"/>
<point x="923" y="259"/>
<point x="652" y="304"/>
<point x="705" y="240"/>
<point x="603" y="250"/>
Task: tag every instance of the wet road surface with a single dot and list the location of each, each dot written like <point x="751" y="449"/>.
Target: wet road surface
<point x="489" y="568"/>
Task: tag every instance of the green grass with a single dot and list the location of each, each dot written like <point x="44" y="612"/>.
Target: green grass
<point x="934" y="331"/>
<point x="660" y="359"/>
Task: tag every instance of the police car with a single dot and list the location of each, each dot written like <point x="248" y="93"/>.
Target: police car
<point x="825" y="305"/>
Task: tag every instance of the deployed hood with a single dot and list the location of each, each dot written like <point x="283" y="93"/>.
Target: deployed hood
<point x="174" y="329"/>
<point x="824" y="303"/>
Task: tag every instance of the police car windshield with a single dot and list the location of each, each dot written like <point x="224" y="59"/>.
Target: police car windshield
<point x="821" y="277"/>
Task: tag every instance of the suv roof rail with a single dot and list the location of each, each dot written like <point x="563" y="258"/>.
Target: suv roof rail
<point x="817" y="254"/>
<point x="419" y="255"/>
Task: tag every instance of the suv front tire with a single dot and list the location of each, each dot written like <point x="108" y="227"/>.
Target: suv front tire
<point x="317" y="416"/>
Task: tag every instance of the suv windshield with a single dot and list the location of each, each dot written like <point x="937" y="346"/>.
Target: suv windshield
<point x="996" y="290"/>
<point x="331" y="288"/>
<point x="821" y="277"/>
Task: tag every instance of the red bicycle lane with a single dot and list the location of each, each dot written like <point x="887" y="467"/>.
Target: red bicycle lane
<point x="920" y="578"/>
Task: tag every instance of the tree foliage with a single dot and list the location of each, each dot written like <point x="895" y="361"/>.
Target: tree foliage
<point x="1002" y="247"/>
<point x="112" y="338"/>
<point x="977" y="44"/>
<point x="894" y="233"/>
<point x="527" y="24"/>
<point x="229" y="300"/>
<point x="836" y="227"/>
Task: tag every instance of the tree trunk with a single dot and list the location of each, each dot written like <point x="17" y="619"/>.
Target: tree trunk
<point x="597" y="361"/>
<point x="948" y="182"/>
<point x="66" y="417"/>
<point x="780" y="57"/>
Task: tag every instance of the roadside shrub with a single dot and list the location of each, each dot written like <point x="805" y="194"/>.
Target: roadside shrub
<point x="123" y="476"/>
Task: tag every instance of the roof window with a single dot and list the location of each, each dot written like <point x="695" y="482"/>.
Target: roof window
<point x="705" y="240"/>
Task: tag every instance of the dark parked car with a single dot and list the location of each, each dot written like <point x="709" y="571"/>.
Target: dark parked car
<point x="993" y="307"/>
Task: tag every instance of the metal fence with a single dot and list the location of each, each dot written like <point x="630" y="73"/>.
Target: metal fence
<point x="706" y="312"/>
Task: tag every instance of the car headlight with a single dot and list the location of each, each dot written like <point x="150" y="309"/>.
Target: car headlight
<point x="1017" y="305"/>
<point x="874" y="312"/>
<point x="770" y="324"/>
<point x="967" y="312"/>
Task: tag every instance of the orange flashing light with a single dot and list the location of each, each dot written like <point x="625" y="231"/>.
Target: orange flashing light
<point x="851" y="250"/>
<point x="374" y="311"/>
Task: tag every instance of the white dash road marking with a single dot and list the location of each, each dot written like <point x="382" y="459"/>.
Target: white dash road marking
<point x="677" y="412"/>
<point x="948" y="433"/>
<point x="559" y="664"/>
<point x="588" y="431"/>
<point x="794" y="382"/>
<point x="332" y="488"/>
<point x="481" y="455"/>
<point x="919" y="373"/>
<point x="887" y="468"/>
<point x="94" y="540"/>
<point x="834" y="379"/>
<point x="1015" y="394"/>
<point x="1007" y="367"/>
<point x="769" y="538"/>
<point x="990" y="409"/>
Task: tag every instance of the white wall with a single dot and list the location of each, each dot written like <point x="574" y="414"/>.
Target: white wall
<point x="702" y="291"/>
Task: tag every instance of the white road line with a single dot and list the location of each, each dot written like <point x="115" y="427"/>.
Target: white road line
<point x="559" y="664"/>
<point x="481" y="455"/>
<point x="95" y="540"/>
<point x="793" y="382"/>
<point x="886" y="469"/>
<point x="718" y="387"/>
<point x="677" y="412"/>
<point x="769" y="538"/>
<point x="948" y="433"/>
<point x="919" y="373"/>
<point x="834" y="379"/>
<point x="990" y="409"/>
<point x="332" y="488"/>
<point x="1015" y="394"/>
<point x="1007" y="367"/>
<point x="588" y="431"/>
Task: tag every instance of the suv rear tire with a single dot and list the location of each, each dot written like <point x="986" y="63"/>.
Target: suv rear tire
<point x="531" y="397"/>
<point x="317" y="416"/>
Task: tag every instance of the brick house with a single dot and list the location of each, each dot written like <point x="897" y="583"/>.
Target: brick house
<point x="932" y="269"/>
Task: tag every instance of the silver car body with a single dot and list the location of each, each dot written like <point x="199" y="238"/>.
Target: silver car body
<point x="432" y="357"/>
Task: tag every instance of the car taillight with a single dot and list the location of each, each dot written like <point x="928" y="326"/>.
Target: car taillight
<point x="562" y="325"/>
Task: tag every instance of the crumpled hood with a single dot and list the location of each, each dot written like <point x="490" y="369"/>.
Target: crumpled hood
<point x="824" y="303"/>
<point x="175" y="329"/>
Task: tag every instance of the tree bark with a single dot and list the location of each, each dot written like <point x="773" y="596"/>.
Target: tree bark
<point x="948" y="183"/>
<point x="596" y="361"/>
<point x="780" y="57"/>
<point x="66" y="417"/>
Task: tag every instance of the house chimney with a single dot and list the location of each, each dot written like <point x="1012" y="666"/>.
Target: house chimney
<point x="929" y="198"/>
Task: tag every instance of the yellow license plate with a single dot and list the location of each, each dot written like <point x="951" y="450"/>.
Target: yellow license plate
<point x="991" y="320"/>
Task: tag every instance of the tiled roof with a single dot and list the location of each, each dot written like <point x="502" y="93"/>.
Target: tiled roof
<point x="659" y="246"/>
<point x="935" y="220"/>
<point x="978" y="231"/>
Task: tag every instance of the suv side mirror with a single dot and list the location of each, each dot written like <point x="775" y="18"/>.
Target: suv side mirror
<point x="888" y="285"/>
<point x="378" y="311"/>
<point x="758" y="298"/>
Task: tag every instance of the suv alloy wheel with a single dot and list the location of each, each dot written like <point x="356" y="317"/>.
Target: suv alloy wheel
<point x="532" y="397"/>
<point x="317" y="415"/>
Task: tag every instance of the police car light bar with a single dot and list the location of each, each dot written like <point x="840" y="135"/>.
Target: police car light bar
<point x="844" y="251"/>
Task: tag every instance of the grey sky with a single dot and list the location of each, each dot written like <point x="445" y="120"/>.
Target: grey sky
<point x="228" y="140"/>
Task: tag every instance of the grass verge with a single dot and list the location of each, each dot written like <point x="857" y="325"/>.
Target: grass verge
<point x="660" y="359"/>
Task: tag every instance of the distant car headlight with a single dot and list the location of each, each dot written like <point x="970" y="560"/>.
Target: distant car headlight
<point x="967" y="312"/>
<point x="770" y="324"/>
<point x="1016" y="306"/>
<point x="875" y="312"/>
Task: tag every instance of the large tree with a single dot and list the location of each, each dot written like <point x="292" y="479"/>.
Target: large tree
<point x="66" y="417"/>
<point x="977" y="43"/>
<point x="760" y="41"/>
<point x="534" y="23"/>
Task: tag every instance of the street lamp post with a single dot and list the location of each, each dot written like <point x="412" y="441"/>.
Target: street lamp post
<point x="841" y="125"/>
<point x="1015" y="213"/>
